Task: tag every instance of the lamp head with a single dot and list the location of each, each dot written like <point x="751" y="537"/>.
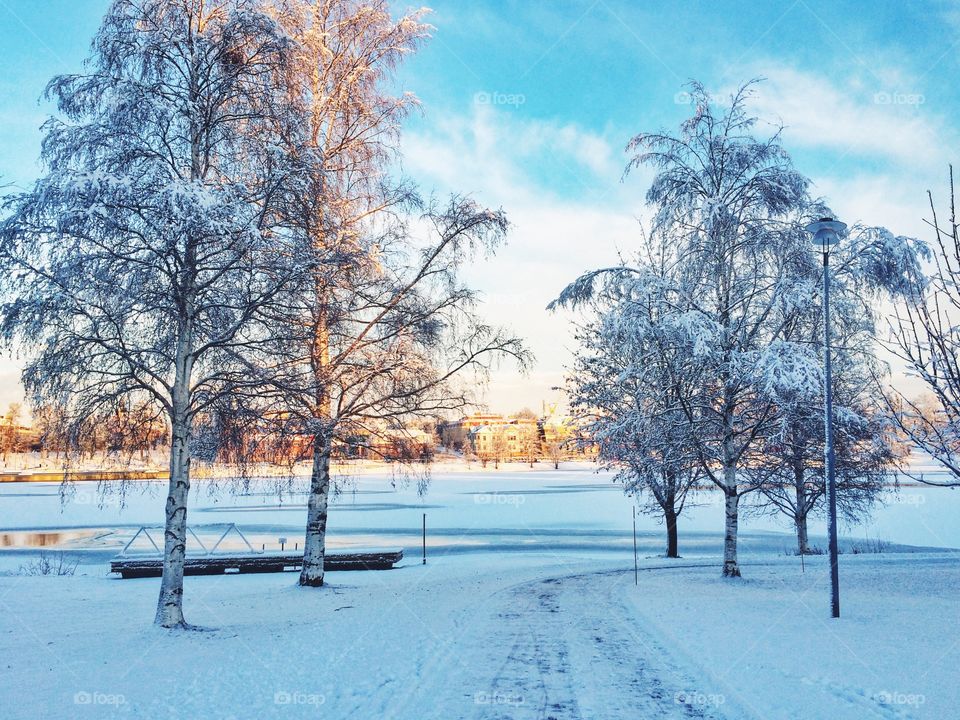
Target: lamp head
<point x="826" y="232"/>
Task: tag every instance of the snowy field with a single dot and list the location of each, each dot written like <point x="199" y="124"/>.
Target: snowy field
<point x="526" y="608"/>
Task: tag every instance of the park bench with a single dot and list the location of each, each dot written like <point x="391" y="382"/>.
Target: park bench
<point x="210" y="562"/>
<point x="266" y="562"/>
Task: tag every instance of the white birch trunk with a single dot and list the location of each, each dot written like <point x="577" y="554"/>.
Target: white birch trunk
<point x="731" y="521"/>
<point x="170" y="603"/>
<point x="730" y="491"/>
<point x="315" y="539"/>
<point x="314" y="544"/>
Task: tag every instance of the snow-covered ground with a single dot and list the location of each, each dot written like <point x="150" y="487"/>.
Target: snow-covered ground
<point x="494" y="636"/>
<point x="526" y="608"/>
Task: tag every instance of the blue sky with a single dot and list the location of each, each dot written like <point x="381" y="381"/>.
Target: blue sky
<point x="528" y="105"/>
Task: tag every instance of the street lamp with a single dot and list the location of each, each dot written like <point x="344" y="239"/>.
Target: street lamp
<point x="826" y="234"/>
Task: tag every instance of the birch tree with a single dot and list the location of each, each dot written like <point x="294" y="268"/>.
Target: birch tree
<point x="11" y="431"/>
<point x="730" y="266"/>
<point x="732" y="269"/>
<point x="401" y="341"/>
<point x="530" y="443"/>
<point x="136" y="269"/>
<point x="383" y="326"/>
<point x="727" y="202"/>
<point x="790" y="464"/>
<point x="734" y="207"/>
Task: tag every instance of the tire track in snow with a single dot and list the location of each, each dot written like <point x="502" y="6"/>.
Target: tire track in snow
<point x="575" y="653"/>
<point x="534" y="679"/>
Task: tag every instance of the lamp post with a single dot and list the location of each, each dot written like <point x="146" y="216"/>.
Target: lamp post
<point x="826" y="234"/>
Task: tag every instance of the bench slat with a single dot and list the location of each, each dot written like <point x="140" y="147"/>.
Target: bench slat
<point x="217" y="565"/>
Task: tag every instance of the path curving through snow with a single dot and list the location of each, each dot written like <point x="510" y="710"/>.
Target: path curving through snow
<point x="562" y="647"/>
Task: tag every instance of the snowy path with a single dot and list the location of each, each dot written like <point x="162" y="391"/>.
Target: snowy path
<point x="576" y="652"/>
<point x="542" y="639"/>
<point x="556" y="648"/>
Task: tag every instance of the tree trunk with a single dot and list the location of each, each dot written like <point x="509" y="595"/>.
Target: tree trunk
<point x="803" y="545"/>
<point x="800" y="510"/>
<point x="731" y="514"/>
<point x="314" y="544"/>
<point x="671" y="518"/>
<point x="170" y="604"/>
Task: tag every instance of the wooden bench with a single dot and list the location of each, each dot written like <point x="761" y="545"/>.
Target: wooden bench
<point x="141" y="567"/>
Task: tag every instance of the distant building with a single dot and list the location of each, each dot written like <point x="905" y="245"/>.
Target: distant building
<point x="507" y="438"/>
<point x="478" y="420"/>
<point x="407" y="443"/>
<point x="495" y="437"/>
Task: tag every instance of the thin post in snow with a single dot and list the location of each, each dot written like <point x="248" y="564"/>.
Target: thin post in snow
<point x="424" y="538"/>
<point x="636" y="570"/>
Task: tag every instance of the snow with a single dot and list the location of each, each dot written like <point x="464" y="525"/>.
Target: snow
<point x="489" y="636"/>
<point x="769" y="646"/>
<point x="703" y="334"/>
<point x="526" y="609"/>
<point x="787" y="371"/>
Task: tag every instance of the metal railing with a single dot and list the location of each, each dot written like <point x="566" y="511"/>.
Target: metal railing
<point x="145" y="531"/>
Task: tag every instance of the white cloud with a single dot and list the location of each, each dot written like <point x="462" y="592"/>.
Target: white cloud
<point x="497" y="154"/>
<point x="499" y="157"/>
<point x="884" y="115"/>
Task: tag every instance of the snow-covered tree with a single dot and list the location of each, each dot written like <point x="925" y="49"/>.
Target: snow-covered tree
<point x="625" y="387"/>
<point x="731" y="268"/>
<point x="137" y="268"/>
<point x="728" y="201"/>
<point x="342" y="134"/>
<point x="398" y="339"/>
<point x="383" y="325"/>
<point x="10" y="428"/>
<point x="790" y="463"/>
<point x="529" y="436"/>
<point x="926" y="337"/>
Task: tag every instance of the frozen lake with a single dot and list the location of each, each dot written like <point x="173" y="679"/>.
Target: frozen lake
<point x="528" y="595"/>
<point x="573" y="510"/>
